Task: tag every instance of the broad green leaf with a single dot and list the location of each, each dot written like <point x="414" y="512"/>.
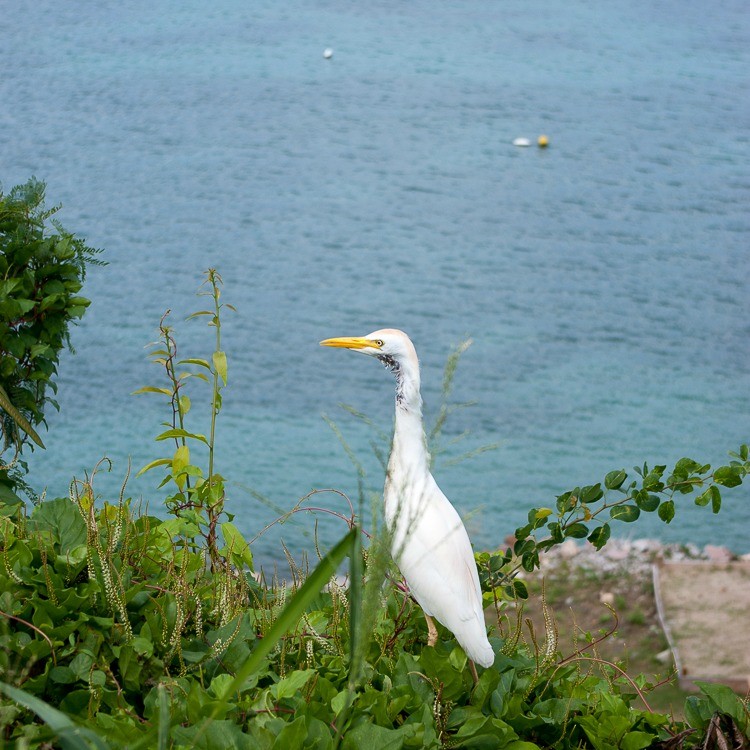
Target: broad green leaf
<point x="698" y="711"/>
<point x="726" y="701"/>
<point x="626" y="513"/>
<point x="728" y="476"/>
<point x="373" y="737"/>
<point x="636" y="741"/>
<point x="340" y="701"/>
<point x="220" y="365"/>
<point x="236" y="544"/>
<point x="715" y="499"/>
<point x="615" y="479"/>
<point x="600" y="535"/>
<point x="184" y="403"/>
<point x="576" y="530"/>
<point x="180" y="459"/>
<point x="647" y="502"/>
<point x="520" y="590"/>
<point x="293" y="734"/>
<point x="62" y="519"/>
<point x="666" y="511"/>
<point x="705" y="497"/>
<point x="592" y="494"/>
<point x="291" y="684"/>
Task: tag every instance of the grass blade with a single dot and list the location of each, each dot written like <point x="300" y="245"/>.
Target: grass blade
<point x="289" y="617"/>
<point x="71" y="736"/>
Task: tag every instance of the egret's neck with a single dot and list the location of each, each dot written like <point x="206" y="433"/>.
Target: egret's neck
<point x="409" y="450"/>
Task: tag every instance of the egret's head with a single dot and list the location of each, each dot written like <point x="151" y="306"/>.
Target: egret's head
<point x="386" y="343"/>
<point x="395" y="350"/>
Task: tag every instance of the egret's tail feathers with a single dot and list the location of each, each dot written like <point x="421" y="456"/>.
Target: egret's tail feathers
<point x="479" y="653"/>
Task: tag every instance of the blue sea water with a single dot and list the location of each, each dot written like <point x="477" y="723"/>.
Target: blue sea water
<point x="604" y="281"/>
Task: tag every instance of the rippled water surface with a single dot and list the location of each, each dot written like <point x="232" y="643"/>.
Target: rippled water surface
<point x="604" y="281"/>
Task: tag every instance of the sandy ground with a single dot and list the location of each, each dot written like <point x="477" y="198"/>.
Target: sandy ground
<point x="706" y="608"/>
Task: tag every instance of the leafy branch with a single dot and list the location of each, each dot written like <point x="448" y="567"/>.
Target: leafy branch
<point x="199" y="497"/>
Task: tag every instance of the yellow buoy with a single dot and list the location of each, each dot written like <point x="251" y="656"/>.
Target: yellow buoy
<point x="543" y="141"/>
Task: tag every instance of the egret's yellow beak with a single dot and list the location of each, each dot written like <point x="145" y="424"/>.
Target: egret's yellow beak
<point x="351" y="342"/>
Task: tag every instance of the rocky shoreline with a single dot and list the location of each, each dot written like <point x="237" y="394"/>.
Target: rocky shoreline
<point x="634" y="555"/>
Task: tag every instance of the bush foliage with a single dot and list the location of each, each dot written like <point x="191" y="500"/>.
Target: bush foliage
<point x="119" y="629"/>
<point x="41" y="273"/>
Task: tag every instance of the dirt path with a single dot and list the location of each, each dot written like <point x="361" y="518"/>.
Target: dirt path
<point x="706" y="609"/>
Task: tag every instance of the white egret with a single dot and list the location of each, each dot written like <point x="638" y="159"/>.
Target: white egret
<point x="429" y="542"/>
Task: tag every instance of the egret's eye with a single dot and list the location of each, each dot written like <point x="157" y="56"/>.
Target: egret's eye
<point x="379" y="343"/>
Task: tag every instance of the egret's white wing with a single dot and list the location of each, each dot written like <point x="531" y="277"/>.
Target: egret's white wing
<point x="433" y="552"/>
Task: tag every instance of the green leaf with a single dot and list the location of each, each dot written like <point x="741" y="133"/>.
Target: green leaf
<point x="698" y="711"/>
<point x="520" y="590"/>
<point x="291" y="684"/>
<point x="236" y="544"/>
<point x="220" y="365"/>
<point x="715" y="499"/>
<point x="615" y="479"/>
<point x="62" y="519"/>
<point x="178" y="433"/>
<point x="600" y="535"/>
<point x="198" y="313"/>
<point x="152" y="389"/>
<point x="184" y="403"/>
<point x="626" y="513"/>
<point x="592" y="494"/>
<point x="636" y="741"/>
<point x="181" y="459"/>
<point x="666" y="511"/>
<point x="647" y="502"/>
<point x="726" y="701"/>
<point x="62" y="675"/>
<point x="555" y="530"/>
<point x="576" y="530"/>
<point x="194" y="361"/>
<point x="704" y="498"/>
<point x="373" y="737"/>
<point x="728" y="476"/>
<point x="154" y="464"/>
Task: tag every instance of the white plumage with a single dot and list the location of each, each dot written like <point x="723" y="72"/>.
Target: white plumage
<point x="429" y="541"/>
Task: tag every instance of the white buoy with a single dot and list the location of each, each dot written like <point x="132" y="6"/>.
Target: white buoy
<point x="328" y="53"/>
<point x="522" y="142"/>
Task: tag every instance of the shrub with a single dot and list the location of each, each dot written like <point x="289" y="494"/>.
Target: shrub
<point x="41" y="273"/>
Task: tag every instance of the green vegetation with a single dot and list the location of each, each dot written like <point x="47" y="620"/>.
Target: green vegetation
<point x="41" y="274"/>
<point x="119" y="629"/>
